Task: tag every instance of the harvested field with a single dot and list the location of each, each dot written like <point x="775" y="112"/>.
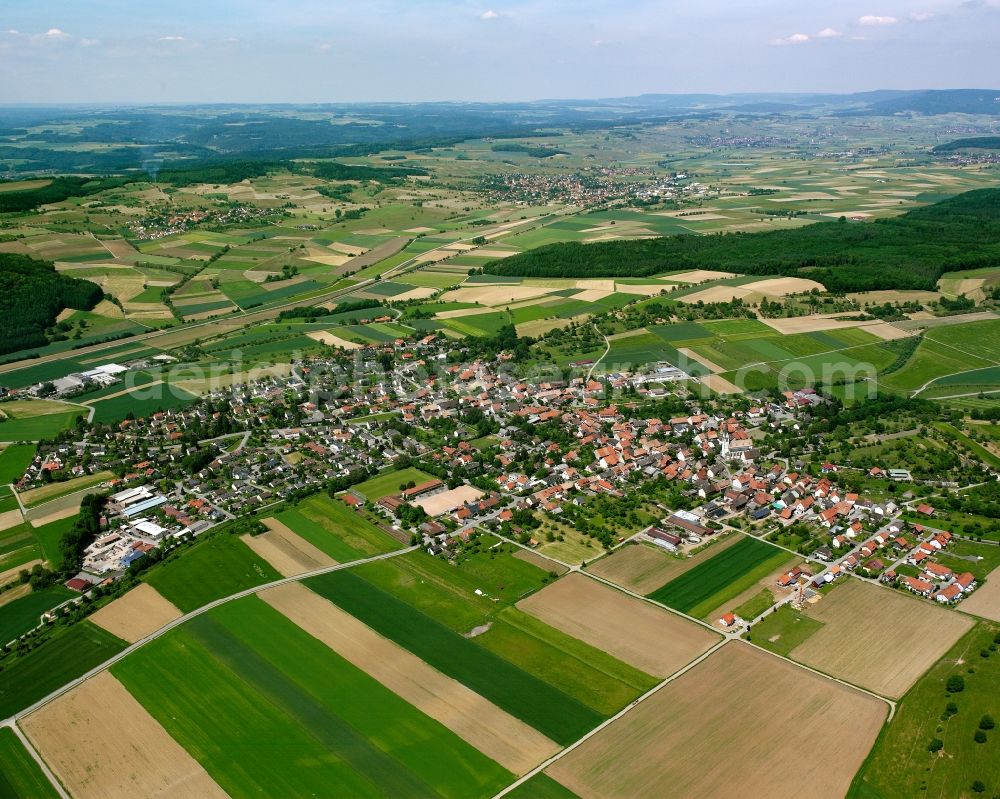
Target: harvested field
<point x="647" y="290"/>
<point x="694" y="356"/>
<point x="498" y="735"/>
<point x="11" y="518"/>
<point x="419" y="293"/>
<point x="136" y="614"/>
<point x="780" y="286"/>
<point x="721" y="293"/>
<point x="887" y="331"/>
<point x="723" y="730"/>
<point x="591" y="295"/>
<point x="289" y="553"/>
<point x="899" y="295"/>
<point x="720" y="385"/>
<point x="101" y="743"/>
<point x="540" y="561"/>
<point x="323" y="337"/>
<point x="447" y="501"/>
<point x="595" y="285"/>
<point x="457" y="313"/>
<point x="636" y="632"/>
<point x="810" y="324"/>
<point x="699" y="276"/>
<point x="643" y="569"/>
<point x="493" y="295"/>
<point x="9" y="574"/>
<point x="901" y="638"/>
<point x="985" y="600"/>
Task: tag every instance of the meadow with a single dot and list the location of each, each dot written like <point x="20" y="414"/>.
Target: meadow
<point x="213" y="568"/>
<point x="70" y="652"/>
<point x="722" y="577"/>
<point x="291" y="717"/>
<point x="20" y="776"/>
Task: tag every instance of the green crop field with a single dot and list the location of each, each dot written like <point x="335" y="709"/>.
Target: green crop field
<point x="21" y="615"/>
<point x="541" y="786"/>
<point x="20" y="776"/>
<point x="587" y="674"/>
<point x="70" y="652"/>
<point x="18" y="545"/>
<point x="117" y="408"/>
<point x="290" y="717"/>
<point x="713" y="582"/>
<point x="14" y="460"/>
<point x="900" y="765"/>
<point x="216" y="567"/>
<point x="48" y="537"/>
<point x="34" y="428"/>
<point x="388" y="483"/>
<point x="342" y="533"/>
<point x="523" y="695"/>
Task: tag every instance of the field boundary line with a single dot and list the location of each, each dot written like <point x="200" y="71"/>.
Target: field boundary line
<point x="12" y="720"/>
<point x="607" y="349"/>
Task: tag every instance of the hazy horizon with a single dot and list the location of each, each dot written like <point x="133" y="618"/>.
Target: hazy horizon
<point x="111" y="52"/>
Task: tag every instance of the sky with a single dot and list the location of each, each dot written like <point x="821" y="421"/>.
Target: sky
<point x="300" y="51"/>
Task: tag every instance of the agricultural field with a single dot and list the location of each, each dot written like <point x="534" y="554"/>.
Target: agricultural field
<point x="314" y="722"/>
<point x="951" y="359"/>
<point x="287" y="552"/>
<point x="138" y="613"/>
<point x="31" y="421"/>
<point x="69" y="653"/>
<point x="23" y="614"/>
<point x="335" y="529"/>
<point x="20" y="776"/>
<point x="14" y="459"/>
<point x="738" y="701"/>
<point x="500" y="736"/>
<point x="634" y="631"/>
<point x="985" y="600"/>
<point x="901" y="639"/>
<point x="216" y="567"/>
<point x="902" y="764"/>
<point x="18" y="547"/>
<point x="643" y="568"/>
<point x="721" y="578"/>
<point x="47" y="493"/>
<point x="533" y="672"/>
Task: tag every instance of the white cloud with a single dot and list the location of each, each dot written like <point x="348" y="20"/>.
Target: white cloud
<point x="489" y="14"/>
<point x="171" y="38"/>
<point x="55" y="33"/>
<point x="874" y="20"/>
<point x="828" y="33"/>
<point x="795" y="38"/>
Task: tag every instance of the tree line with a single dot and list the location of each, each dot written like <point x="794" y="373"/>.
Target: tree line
<point x="910" y="251"/>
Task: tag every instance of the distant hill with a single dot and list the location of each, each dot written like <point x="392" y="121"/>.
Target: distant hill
<point x="906" y="252"/>
<point x="976" y="143"/>
<point x="945" y="101"/>
<point x="32" y="295"/>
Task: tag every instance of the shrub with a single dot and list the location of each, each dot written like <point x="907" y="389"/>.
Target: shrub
<point x="978" y="786"/>
<point x="986" y="722"/>
<point x="979" y="737"/>
<point x="956" y="684"/>
<point x="935" y="745"/>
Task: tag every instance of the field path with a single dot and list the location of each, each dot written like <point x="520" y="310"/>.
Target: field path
<point x="607" y="349"/>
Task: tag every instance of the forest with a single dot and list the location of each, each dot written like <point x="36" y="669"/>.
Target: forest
<point x="910" y="251"/>
<point x="32" y="294"/>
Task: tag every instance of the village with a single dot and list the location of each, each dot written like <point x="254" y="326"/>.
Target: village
<point x="510" y="455"/>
